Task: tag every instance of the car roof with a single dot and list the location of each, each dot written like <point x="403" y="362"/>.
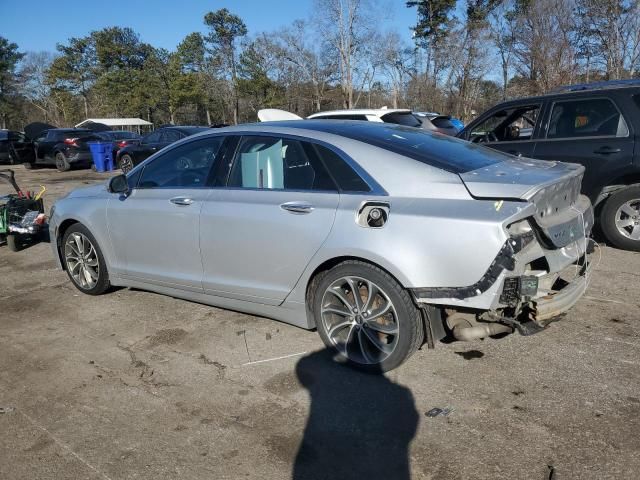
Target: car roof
<point x="379" y="112"/>
<point x="580" y="90"/>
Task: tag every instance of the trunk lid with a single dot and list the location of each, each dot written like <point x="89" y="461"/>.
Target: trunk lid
<point x="562" y="214"/>
<point x="524" y="179"/>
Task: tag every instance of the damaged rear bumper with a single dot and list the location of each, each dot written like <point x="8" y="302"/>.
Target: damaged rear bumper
<point x="535" y="277"/>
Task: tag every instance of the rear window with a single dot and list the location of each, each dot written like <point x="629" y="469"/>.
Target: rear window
<point x="442" y="122"/>
<point x="407" y="119"/>
<point x="438" y="150"/>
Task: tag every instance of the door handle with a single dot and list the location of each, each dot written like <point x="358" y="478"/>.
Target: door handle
<point x="299" y="208"/>
<point x="606" y="150"/>
<point x="182" y="201"/>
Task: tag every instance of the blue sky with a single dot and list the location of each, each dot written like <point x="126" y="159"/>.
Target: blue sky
<point x="162" y="23"/>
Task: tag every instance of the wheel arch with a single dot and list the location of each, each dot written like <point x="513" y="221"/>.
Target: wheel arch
<point x="64" y="226"/>
<point x="327" y="265"/>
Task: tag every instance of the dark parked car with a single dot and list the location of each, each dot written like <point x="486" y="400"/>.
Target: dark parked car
<point x="131" y="155"/>
<point x="595" y="125"/>
<point x="62" y="147"/>
<point x="120" y="139"/>
<point x="15" y="147"/>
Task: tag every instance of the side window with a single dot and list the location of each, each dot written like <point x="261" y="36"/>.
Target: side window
<point x="597" y="117"/>
<point x="170" y="136"/>
<point x="278" y="163"/>
<point x="152" y="137"/>
<point x="345" y="176"/>
<point x="342" y="117"/>
<point x="508" y="125"/>
<point x="186" y="166"/>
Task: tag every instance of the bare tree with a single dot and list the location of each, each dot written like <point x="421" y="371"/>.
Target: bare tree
<point x="311" y="63"/>
<point x="347" y="26"/>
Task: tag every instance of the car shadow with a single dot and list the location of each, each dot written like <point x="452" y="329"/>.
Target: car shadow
<point x="360" y="425"/>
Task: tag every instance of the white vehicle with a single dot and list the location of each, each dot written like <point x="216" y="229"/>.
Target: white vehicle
<point x="399" y="116"/>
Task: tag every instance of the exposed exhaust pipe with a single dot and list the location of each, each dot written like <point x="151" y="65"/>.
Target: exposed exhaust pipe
<point x="466" y="328"/>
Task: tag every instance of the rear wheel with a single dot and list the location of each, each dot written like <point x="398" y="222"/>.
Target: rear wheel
<point x="62" y="164"/>
<point x="83" y="261"/>
<point x="126" y="163"/>
<point x="620" y="219"/>
<point x="366" y="316"/>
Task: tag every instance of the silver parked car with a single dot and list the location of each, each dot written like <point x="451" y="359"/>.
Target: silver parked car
<point x="383" y="237"/>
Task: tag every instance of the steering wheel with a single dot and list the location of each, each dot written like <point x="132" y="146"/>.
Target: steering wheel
<point x="485" y="138"/>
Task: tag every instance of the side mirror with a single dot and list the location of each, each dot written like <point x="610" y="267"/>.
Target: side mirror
<point x="119" y="184"/>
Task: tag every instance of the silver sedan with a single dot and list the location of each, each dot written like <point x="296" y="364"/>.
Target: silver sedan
<point x="382" y="237"/>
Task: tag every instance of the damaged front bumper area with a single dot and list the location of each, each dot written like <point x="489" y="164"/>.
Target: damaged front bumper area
<point x="540" y="272"/>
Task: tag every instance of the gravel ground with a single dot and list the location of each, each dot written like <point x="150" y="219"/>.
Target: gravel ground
<point x="138" y="385"/>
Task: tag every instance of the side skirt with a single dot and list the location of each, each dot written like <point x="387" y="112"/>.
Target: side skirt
<point x="289" y="312"/>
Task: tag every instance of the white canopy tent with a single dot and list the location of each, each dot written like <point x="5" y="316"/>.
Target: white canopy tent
<point x="121" y="123"/>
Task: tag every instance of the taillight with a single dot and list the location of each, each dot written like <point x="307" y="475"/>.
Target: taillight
<point x="73" y="142"/>
<point x="122" y="143"/>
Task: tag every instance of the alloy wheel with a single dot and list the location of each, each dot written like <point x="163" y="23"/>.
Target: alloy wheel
<point x="126" y="164"/>
<point x="82" y="261"/>
<point x="360" y="320"/>
<point x="628" y="219"/>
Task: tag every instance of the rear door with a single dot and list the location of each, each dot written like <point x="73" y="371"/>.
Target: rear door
<point x="591" y="131"/>
<point x="260" y="228"/>
<point x="155" y="230"/>
<point x="512" y="129"/>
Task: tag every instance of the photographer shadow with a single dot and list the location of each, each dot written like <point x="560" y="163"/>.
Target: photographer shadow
<point x="360" y="425"/>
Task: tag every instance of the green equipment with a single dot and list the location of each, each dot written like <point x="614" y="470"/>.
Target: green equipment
<point x="22" y="215"/>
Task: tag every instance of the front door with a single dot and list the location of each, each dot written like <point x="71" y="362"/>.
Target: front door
<point x="591" y="132"/>
<point x="259" y="232"/>
<point x="155" y="230"/>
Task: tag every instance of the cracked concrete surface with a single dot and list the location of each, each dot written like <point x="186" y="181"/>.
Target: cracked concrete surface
<point x="138" y="385"/>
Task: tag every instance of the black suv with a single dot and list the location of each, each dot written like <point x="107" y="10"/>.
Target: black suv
<point x="63" y="147"/>
<point x="595" y="125"/>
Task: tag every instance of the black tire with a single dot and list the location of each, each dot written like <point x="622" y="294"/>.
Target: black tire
<point x="609" y="215"/>
<point x="125" y="163"/>
<point x="62" y="164"/>
<point x="102" y="283"/>
<point x="410" y="330"/>
<point x="13" y="242"/>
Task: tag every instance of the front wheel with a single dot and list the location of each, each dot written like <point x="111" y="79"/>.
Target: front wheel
<point x="620" y="219"/>
<point x="62" y="164"/>
<point x="366" y="316"/>
<point x="83" y="261"/>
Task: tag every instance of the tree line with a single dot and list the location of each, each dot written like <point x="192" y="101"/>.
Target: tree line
<point x="460" y="57"/>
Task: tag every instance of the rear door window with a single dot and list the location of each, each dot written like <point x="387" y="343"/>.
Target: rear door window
<point x="170" y="136"/>
<point x="277" y="163"/>
<point x="595" y="117"/>
<point x="345" y="176"/>
<point x="153" y="137"/>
